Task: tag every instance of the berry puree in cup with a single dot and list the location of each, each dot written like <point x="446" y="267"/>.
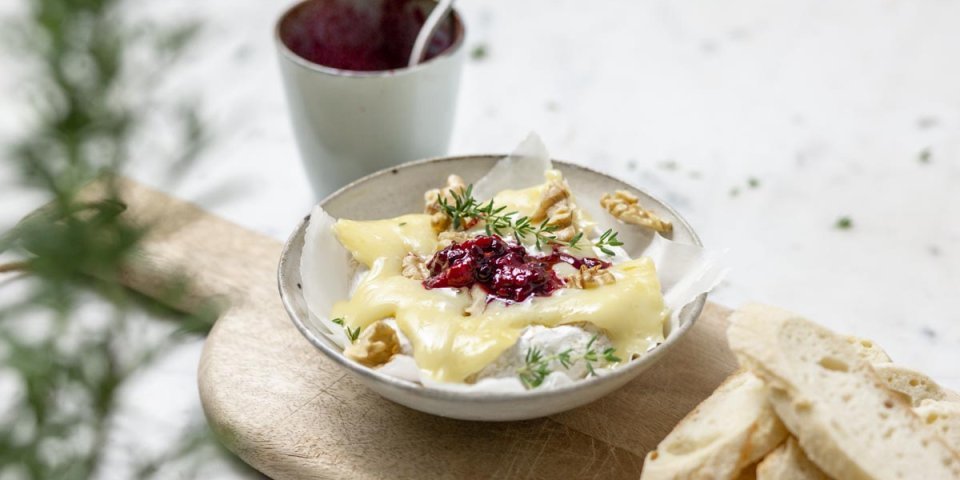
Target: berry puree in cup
<point x="361" y="35"/>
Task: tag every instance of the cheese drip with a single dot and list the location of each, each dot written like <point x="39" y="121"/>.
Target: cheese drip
<point x="449" y="346"/>
<point x="391" y="238"/>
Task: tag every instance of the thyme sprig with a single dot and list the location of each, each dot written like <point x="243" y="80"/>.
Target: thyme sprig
<point x="352" y="333"/>
<point x="608" y="239"/>
<point x="537" y="365"/>
<point x="464" y="211"/>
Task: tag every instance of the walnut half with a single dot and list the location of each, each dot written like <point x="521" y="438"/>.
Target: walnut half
<point x="445" y="239"/>
<point x="439" y="220"/>
<point x="626" y="207"/>
<point x="414" y="267"/>
<point x="479" y="303"/>
<point x="375" y="346"/>
<point x="590" y="277"/>
<point x="556" y="208"/>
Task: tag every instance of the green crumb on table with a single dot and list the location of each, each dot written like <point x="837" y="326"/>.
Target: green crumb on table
<point x="479" y="52"/>
<point x="402" y="223"/>
<point x="734" y="192"/>
<point x="753" y="182"/>
<point x="924" y="156"/>
<point x="844" y="223"/>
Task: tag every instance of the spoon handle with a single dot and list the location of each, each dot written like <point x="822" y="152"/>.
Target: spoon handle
<point x="438" y="13"/>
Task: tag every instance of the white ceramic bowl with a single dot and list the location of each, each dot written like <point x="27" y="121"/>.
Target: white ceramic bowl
<point x="398" y="191"/>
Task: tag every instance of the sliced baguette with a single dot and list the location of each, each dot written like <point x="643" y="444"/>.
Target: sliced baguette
<point x="868" y="350"/>
<point x="944" y="417"/>
<point x="913" y="384"/>
<point x="834" y="403"/>
<point x="733" y="428"/>
<point x="748" y="473"/>
<point x="788" y="462"/>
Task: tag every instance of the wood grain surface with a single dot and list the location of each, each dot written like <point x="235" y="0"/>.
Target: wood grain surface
<point x="283" y="408"/>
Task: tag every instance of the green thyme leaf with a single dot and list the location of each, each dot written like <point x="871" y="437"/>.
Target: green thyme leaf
<point x="464" y="210"/>
<point x="608" y="239"/>
<point x="564" y="358"/>
<point x="537" y="365"/>
<point x="533" y="355"/>
<point x="353" y="333"/>
<point x="609" y="354"/>
<point x="590" y="356"/>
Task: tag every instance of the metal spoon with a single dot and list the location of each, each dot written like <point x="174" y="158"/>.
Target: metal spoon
<point x="438" y="13"/>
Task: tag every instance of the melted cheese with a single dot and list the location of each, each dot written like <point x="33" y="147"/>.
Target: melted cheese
<point x="391" y="238"/>
<point x="524" y="202"/>
<point x="449" y="346"/>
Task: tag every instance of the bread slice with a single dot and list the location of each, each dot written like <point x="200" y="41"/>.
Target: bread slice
<point x="733" y="428"/>
<point x="913" y="384"/>
<point x="944" y="417"/>
<point x="788" y="462"/>
<point x="834" y="403"/>
<point x="748" y="473"/>
<point x="868" y="350"/>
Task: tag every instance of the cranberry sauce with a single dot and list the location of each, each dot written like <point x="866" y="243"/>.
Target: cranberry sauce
<point x="362" y="35"/>
<point x="504" y="270"/>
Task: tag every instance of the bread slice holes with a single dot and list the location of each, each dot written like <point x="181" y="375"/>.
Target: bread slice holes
<point x="866" y="343"/>
<point x="835" y="364"/>
<point x="932" y="418"/>
<point x="888" y="403"/>
<point x="914" y="382"/>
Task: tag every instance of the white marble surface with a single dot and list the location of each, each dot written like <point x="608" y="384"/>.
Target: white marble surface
<point x="827" y="105"/>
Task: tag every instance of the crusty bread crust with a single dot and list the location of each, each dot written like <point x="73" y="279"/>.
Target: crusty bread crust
<point x="834" y="403"/>
<point x="728" y="431"/>
<point x="788" y="462"/>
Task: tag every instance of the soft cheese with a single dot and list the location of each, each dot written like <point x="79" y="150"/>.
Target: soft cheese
<point x="449" y="346"/>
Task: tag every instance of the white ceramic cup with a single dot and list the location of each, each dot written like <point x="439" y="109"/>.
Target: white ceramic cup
<point x="349" y="123"/>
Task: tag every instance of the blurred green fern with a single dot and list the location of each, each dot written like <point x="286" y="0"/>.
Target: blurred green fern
<point x="87" y="109"/>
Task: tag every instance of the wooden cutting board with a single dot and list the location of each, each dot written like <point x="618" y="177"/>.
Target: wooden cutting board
<point x="282" y="407"/>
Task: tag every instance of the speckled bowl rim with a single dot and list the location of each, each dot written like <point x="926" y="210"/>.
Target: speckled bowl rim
<point x="691" y="310"/>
